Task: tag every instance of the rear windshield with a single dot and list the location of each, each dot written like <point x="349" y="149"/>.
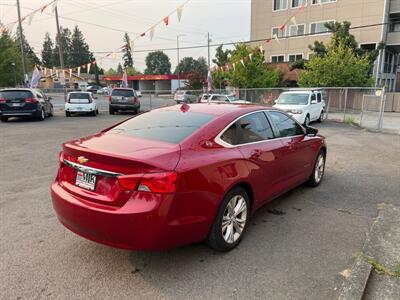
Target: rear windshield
<point x="123" y="93"/>
<point x="293" y="99"/>
<point x="166" y="126"/>
<point x="79" y="96"/>
<point x="15" y="95"/>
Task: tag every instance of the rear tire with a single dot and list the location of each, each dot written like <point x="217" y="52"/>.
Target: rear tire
<point x="42" y="115"/>
<point x="97" y="111"/>
<point x="111" y="110"/>
<point x="4" y="119"/>
<point x="67" y="114"/>
<point x="231" y="221"/>
<point x="307" y="120"/>
<point x="51" y="112"/>
<point x="318" y="170"/>
<point x="321" y="117"/>
<point x="93" y="113"/>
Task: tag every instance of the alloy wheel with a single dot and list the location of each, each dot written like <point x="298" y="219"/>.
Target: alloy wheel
<point x="234" y="219"/>
<point x="319" y="168"/>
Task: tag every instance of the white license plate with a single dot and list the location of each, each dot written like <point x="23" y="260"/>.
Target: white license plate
<point x="16" y="104"/>
<point x="85" y="180"/>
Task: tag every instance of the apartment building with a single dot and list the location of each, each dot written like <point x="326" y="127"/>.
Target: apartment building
<point x="267" y="17"/>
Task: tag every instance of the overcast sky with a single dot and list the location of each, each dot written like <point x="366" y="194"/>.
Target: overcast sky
<point x="226" y="20"/>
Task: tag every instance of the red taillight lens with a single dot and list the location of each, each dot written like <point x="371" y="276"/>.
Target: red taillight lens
<point x="158" y="182"/>
<point x="109" y="98"/>
<point x="3" y="100"/>
<point x="30" y="100"/>
<point x="135" y="99"/>
<point x="130" y="182"/>
<point x="151" y="182"/>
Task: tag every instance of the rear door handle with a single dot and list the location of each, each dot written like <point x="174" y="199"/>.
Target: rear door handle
<point x="255" y="154"/>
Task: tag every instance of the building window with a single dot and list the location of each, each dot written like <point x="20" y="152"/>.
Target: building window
<point x="278" y="32"/>
<point x="280" y="4"/>
<point x="322" y="1"/>
<point x="295" y="57"/>
<point x="295" y="30"/>
<point x="298" y="3"/>
<point x="319" y="27"/>
<point x="277" y="58"/>
<point x="368" y="47"/>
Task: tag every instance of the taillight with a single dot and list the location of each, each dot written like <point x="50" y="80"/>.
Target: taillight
<point x="135" y="99"/>
<point x="90" y="100"/>
<point x="3" y="100"/>
<point x="150" y="182"/>
<point x="30" y="100"/>
<point x="109" y="98"/>
<point x="129" y="182"/>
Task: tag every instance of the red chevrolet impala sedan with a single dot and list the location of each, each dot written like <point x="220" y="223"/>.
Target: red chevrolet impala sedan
<point x="183" y="174"/>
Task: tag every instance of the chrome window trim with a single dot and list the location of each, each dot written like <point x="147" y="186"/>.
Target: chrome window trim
<point x="90" y="170"/>
<point x="224" y="144"/>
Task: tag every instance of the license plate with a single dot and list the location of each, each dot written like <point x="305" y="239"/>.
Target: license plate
<point x="85" y="180"/>
<point x="15" y="104"/>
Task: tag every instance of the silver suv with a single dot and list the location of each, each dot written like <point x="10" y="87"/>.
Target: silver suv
<point x="124" y="99"/>
<point x="185" y="96"/>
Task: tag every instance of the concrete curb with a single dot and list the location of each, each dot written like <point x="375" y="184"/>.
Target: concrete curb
<point x="355" y="285"/>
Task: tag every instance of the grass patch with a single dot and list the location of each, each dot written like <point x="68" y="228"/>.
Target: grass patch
<point x="349" y="120"/>
<point x="382" y="269"/>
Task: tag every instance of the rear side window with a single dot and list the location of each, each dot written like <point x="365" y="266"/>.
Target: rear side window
<point x="286" y="125"/>
<point x="166" y="126"/>
<point x="319" y="98"/>
<point x="79" y="96"/>
<point x="254" y="128"/>
<point x="15" y="95"/>
<point x="123" y="93"/>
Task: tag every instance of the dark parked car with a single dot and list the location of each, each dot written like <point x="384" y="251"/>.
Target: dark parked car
<point x="183" y="174"/>
<point x="124" y="99"/>
<point x="24" y="102"/>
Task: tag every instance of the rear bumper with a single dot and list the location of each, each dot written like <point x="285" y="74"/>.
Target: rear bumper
<point x="21" y="113"/>
<point x="77" y="108"/>
<point x="143" y="223"/>
<point x="125" y="106"/>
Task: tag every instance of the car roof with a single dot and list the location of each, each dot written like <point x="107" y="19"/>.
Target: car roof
<point x="216" y="109"/>
<point x="120" y="88"/>
<point x="19" y="89"/>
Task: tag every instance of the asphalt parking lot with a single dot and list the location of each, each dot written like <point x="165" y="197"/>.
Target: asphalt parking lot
<point x="294" y="248"/>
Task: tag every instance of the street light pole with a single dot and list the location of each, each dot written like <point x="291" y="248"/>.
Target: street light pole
<point x="60" y="49"/>
<point x="21" y="40"/>
<point x="177" y="48"/>
<point x="208" y="46"/>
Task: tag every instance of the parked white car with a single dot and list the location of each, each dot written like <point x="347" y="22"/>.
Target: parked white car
<point x="221" y="98"/>
<point x="304" y="106"/>
<point x="81" y="102"/>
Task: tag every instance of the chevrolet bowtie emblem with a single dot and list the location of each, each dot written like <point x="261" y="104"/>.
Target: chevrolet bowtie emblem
<point x="82" y="160"/>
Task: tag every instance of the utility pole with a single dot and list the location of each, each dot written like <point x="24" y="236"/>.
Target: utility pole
<point x="177" y="48"/>
<point x="60" y="49"/>
<point x="21" y="40"/>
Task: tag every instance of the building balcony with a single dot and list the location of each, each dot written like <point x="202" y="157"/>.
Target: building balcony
<point x="394" y="6"/>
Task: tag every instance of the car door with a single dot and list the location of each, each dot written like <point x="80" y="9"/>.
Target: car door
<point x="314" y="111"/>
<point x="42" y="101"/>
<point x="256" y="141"/>
<point x="298" y="154"/>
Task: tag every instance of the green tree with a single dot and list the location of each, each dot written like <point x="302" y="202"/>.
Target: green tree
<point x="157" y="62"/>
<point x="251" y="72"/>
<point x="47" y="51"/>
<point x="111" y="71"/>
<point x="188" y="65"/>
<point x="340" y="67"/>
<point x="66" y="46"/>
<point x="119" y="69"/>
<point x="28" y="50"/>
<point x="221" y="56"/>
<point x="127" y="57"/>
<point x="9" y="59"/>
<point x="333" y="64"/>
<point x="131" y="71"/>
<point x="79" y="52"/>
<point x="196" y="80"/>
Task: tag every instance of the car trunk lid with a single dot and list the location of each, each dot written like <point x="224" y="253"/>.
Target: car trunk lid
<point x="107" y="156"/>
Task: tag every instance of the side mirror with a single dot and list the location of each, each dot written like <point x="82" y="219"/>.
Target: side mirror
<point x="311" y="131"/>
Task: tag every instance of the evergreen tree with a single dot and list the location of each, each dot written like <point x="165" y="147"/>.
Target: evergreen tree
<point x="127" y="57"/>
<point x="28" y="50"/>
<point x="66" y="46"/>
<point x="47" y="51"/>
<point x="79" y="50"/>
<point x="10" y="61"/>
<point x="119" y="69"/>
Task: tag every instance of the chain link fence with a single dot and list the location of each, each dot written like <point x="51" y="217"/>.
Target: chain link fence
<point x="371" y="108"/>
